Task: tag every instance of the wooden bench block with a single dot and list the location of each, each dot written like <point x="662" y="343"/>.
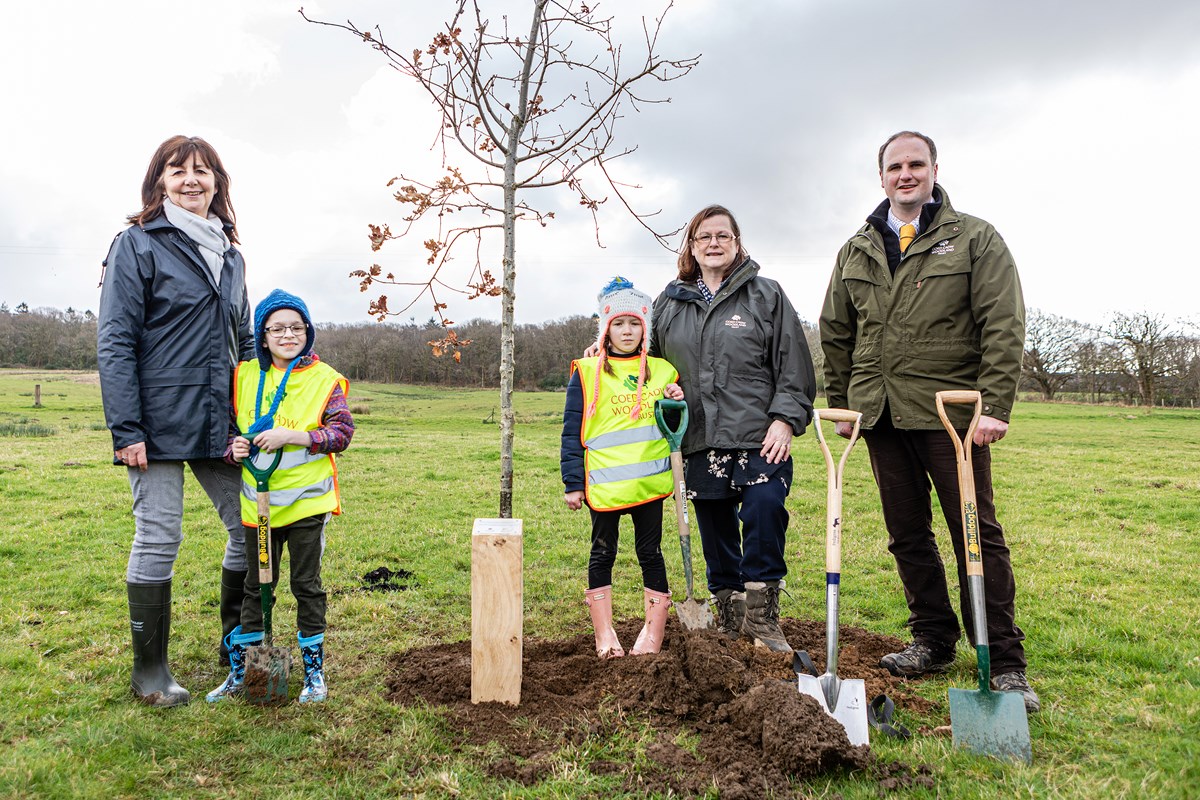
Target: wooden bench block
<point x="497" y="590"/>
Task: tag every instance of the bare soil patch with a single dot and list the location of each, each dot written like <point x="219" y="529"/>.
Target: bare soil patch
<point x="748" y="731"/>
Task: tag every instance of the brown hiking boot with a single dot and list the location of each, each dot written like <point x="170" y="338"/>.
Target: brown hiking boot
<point x="918" y="659"/>
<point x="1017" y="682"/>
<point x="762" y="616"/>
<point x="731" y="610"/>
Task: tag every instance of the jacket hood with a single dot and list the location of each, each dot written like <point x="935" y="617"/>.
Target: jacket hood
<point x="273" y="302"/>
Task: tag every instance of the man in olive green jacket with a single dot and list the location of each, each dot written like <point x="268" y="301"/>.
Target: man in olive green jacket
<point x="925" y="299"/>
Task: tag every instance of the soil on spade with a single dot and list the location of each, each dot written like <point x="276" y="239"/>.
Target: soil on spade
<point x="750" y="733"/>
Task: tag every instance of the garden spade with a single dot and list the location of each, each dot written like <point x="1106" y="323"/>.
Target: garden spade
<point x="693" y="614"/>
<point x="267" y="666"/>
<point x="983" y="721"/>
<point x="844" y="700"/>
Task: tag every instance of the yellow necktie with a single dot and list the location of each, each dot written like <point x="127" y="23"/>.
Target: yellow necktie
<point x="907" y="234"/>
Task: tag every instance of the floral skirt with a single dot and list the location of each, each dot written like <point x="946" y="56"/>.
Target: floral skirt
<point x="721" y="474"/>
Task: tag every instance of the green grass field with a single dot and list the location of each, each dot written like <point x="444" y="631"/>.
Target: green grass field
<point x="1100" y="505"/>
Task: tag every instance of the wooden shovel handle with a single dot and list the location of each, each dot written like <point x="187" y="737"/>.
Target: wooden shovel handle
<point x="265" y="567"/>
<point x="836" y="415"/>
<point x="833" y="498"/>
<point x="966" y="474"/>
<point x="681" y="518"/>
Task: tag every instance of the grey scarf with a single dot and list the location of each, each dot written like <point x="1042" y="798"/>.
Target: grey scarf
<point x="208" y="234"/>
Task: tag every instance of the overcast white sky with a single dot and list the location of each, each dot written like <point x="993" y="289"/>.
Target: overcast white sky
<point x="1056" y="121"/>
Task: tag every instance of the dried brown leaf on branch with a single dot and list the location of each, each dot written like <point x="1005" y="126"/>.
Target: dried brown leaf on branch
<point x="378" y="236"/>
<point x="434" y="246"/>
<point x="379" y="308"/>
<point x="450" y="342"/>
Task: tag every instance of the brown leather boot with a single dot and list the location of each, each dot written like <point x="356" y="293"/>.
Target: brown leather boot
<point x="762" y="615"/>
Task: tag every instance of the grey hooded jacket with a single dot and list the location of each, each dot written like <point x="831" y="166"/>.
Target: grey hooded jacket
<point x="743" y="360"/>
<point x="168" y="341"/>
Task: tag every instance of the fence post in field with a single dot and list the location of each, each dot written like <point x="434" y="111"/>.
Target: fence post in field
<point x="497" y="589"/>
<point x="37" y="395"/>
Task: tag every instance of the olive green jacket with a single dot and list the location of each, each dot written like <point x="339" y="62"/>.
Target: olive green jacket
<point x="952" y="317"/>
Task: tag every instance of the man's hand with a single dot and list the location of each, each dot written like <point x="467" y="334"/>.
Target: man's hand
<point x="844" y="429"/>
<point x="574" y="500"/>
<point x="989" y="431"/>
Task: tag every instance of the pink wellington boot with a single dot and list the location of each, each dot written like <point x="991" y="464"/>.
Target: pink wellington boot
<point x="599" y="602"/>
<point x="651" y="638"/>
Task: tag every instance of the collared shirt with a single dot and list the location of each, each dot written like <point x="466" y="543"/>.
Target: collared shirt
<point x="704" y="291"/>
<point x="895" y="223"/>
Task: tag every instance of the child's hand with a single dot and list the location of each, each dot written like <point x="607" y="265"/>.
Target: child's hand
<point x="276" y="438"/>
<point x="241" y="448"/>
<point x="673" y="392"/>
<point x="574" y="500"/>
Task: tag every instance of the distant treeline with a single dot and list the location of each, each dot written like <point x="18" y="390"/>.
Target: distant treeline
<point x="387" y="352"/>
<point x="1136" y="358"/>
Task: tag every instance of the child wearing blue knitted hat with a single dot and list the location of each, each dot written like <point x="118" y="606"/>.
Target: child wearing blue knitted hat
<point x="289" y="400"/>
<point x="616" y="461"/>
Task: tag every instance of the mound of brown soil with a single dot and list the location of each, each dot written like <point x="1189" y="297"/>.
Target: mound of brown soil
<point x="755" y="731"/>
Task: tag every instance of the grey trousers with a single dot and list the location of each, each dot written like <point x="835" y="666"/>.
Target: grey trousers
<point x="158" y="515"/>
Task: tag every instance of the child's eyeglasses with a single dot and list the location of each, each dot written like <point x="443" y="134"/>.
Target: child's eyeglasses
<point x="278" y="331"/>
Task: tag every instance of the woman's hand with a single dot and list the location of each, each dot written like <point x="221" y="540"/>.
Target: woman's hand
<point x="673" y="392"/>
<point x="574" y="500"/>
<point x="276" y="438"/>
<point x="777" y="444"/>
<point x="133" y="456"/>
<point x="592" y="351"/>
<point x="240" y="449"/>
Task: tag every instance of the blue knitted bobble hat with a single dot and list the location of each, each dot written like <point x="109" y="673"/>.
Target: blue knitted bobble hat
<point x="276" y="300"/>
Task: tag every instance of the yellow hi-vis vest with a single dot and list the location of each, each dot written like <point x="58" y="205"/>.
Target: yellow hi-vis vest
<point x="303" y="484"/>
<point x="628" y="462"/>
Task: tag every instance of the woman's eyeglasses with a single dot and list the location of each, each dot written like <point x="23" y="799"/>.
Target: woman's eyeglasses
<point x="722" y="238"/>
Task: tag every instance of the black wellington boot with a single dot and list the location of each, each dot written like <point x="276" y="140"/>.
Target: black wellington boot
<point x="150" y="622"/>
<point x="233" y="590"/>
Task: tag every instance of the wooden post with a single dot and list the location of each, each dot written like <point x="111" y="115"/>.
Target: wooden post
<point x="37" y="395"/>
<point x="497" y="589"/>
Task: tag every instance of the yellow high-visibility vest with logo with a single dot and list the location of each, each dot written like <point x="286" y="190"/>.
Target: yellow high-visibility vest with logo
<point x="303" y="484"/>
<point x="628" y="462"/>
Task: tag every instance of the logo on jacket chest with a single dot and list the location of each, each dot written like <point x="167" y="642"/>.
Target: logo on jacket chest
<point x="735" y="322"/>
<point x="942" y="248"/>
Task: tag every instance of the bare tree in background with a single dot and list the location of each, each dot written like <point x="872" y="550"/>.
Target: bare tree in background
<point x="1145" y="341"/>
<point x="493" y="88"/>
<point x="1051" y="349"/>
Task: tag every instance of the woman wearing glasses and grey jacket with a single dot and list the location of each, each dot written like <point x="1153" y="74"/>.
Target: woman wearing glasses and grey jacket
<point x="174" y="322"/>
<point x="747" y="376"/>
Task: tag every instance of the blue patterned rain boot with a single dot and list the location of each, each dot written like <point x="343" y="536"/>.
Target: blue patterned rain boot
<point x="312" y="652"/>
<point x="236" y="642"/>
